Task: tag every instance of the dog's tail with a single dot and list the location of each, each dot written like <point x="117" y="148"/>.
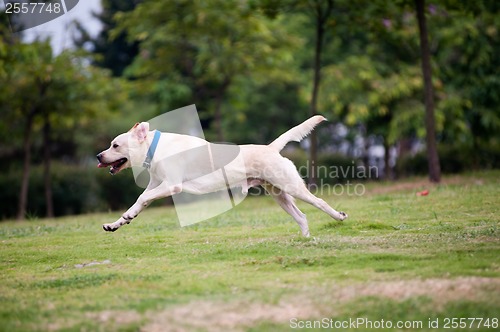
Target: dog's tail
<point x="297" y="133"/>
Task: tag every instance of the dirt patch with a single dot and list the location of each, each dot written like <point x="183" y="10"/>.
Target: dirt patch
<point x="109" y="320"/>
<point x="115" y="317"/>
<point x="235" y="316"/>
<point x="441" y="291"/>
<point x="314" y="303"/>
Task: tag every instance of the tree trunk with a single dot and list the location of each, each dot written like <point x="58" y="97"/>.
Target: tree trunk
<point x="46" y="168"/>
<point x="219" y="96"/>
<point x="321" y="18"/>
<point x="430" y="126"/>
<point x="313" y="152"/>
<point x="23" y="193"/>
<point x="388" y="175"/>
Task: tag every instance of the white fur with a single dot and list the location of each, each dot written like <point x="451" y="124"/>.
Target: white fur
<point x="255" y="165"/>
<point x="297" y="133"/>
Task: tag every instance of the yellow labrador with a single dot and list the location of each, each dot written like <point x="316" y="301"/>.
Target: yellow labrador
<point x="181" y="163"/>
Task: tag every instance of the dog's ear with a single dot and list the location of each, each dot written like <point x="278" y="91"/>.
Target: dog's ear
<point x="131" y="129"/>
<point x="140" y="130"/>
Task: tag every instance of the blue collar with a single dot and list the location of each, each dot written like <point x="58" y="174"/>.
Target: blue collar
<point x="151" y="150"/>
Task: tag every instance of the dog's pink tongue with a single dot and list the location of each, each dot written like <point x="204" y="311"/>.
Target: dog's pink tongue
<point x="101" y="165"/>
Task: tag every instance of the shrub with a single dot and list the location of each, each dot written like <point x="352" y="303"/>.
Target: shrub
<point x="75" y="190"/>
<point x="408" y="165"/>
<point x="453" y="159"/>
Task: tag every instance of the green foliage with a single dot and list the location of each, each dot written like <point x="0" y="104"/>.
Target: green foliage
<point x="468" y="42"/>
<point x="115" y="53"/>
<point x="203" y="47"/>
<point x="379" y="83"/>
<point x="251" y="104"/>
<point x="217" y="39"/>
<point x="72" y="93"/>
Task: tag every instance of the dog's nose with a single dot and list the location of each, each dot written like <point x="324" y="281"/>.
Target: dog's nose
<point x="99" y="156"/>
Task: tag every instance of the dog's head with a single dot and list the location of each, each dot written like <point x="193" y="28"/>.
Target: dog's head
<point x="126" y="149"/>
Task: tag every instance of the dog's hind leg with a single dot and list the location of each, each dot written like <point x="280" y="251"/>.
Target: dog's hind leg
<point x="286" y="177"/>
<point x="287" y="203"/>
<point x="149" y="195"/>
<point x="305" y="195"/>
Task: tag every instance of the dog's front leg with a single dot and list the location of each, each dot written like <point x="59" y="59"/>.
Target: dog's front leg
<point x="149" y="195"/>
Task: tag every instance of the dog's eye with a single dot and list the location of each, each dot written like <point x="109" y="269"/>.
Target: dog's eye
<point x="115" y="146"/>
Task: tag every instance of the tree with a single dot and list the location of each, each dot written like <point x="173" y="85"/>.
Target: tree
<point x="51" y="92"/>
<point x="467" y="43"/>
<point x="378" y="85"/>
<point x="382" y="100"/>
<point x="430" y="126"/>
<point x="370" y="79"/>
<point x="28" y="70"/>
<point x="115" y="53"/>
<point x="205" y="47"/>
<point x="321" y="14"/>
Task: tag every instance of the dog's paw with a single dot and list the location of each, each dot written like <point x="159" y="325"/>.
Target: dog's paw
<point x="109" y="227"/>
<point x="343" y="215"/>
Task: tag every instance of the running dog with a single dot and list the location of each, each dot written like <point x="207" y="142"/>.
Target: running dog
<point x="173" y="171"/>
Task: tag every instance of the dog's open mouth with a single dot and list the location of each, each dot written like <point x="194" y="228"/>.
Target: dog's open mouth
<point x="115" y="166"/>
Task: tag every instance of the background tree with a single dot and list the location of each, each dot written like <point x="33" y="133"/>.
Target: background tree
<point x="374" y="81"/>
<point x="51" y="94"/>
<point x="467" y="42"/>
<point x="321" y="12"/>
<point x="432" y="154"/>
<point x="205" y="46"/>
<point x="27" y="73"/>
<point x="115" y="53"/>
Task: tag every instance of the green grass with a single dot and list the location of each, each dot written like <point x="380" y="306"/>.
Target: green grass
<point x="398" y="257"/>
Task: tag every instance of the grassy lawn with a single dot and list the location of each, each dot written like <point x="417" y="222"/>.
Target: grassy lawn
<point x="397" y="258"/>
